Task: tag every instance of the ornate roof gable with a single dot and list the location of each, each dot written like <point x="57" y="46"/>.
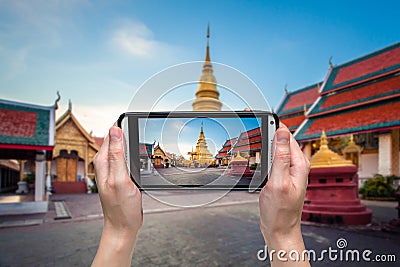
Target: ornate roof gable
<point x="365" y="68"/>
<point x="293" y="106"/>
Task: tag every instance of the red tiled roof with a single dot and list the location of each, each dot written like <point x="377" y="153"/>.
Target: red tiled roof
<point x="368" y="66"/>
<point x="361" y="93"/>
<point x="373" y="117"/>
<point x="230" y="141"/>
<point x="255" y="146"/>
<point x="17" y="123"/>
<point x="222" y="155"/>
<point x="295" y="101"/>
<point x="293" y="122"/>
<point x="303" y="98"/>
<point x="255" y="131"/>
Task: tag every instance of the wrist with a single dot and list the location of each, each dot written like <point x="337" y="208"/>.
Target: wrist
<point x="122" y="236"/>
<point x="116" y="247"/>
<point x="287" y="240"/>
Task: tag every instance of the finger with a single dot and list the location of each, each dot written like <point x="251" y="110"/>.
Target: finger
<point x="299" y="165"/>
<point x="117" y="165"/>
<point x="100" y="162"/>
<point x="281" y="125"/>
<point x="280" y="170"/>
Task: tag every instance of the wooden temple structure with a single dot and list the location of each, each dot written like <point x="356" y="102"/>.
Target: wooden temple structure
<point x="74" y="149"/>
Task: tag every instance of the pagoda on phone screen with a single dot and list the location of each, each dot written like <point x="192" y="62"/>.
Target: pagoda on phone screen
<point x="201" y="156"/>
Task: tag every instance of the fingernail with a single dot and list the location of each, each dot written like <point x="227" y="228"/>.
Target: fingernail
<point x="282" y="137"/>
<point x="115" y="134"/>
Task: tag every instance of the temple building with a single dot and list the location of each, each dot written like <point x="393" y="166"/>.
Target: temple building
<point x="74" y="150"/>
<point x="224" y="155"/>
<point x="27" y="139"/>
<point x="247" y="144"/>
<point x="161" y="158"/>
<point x="358" y="100"/>
<point x="201" y="156"/>
<point x="207" y="95"/>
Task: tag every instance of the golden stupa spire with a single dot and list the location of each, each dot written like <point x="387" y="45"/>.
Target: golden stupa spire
<point x="208" y="45"/>
<point x="207" y="95"/>
<point x="325" y="157"/>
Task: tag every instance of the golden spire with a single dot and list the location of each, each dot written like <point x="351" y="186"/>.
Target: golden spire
<point x="208" y="45"/>
<point x="207" y="95"/>
<point x="326" y="157"/>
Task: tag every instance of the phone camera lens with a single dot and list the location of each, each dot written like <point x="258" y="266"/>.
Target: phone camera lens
<point x="272" y="122"/>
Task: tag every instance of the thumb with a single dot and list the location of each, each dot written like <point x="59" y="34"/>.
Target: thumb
<point x="281" y="158"/>
<point x="115" y="152"/>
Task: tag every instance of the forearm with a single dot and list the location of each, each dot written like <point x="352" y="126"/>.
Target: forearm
<point x="286" y="250"/>
<point x="115" y="248"/>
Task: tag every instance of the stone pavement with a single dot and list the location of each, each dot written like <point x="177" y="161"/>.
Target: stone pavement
<point x="214" y="236"/>
<point x="226" y="233"/>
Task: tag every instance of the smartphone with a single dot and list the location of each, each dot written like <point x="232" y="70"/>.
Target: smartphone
<point x="199" y="150"/>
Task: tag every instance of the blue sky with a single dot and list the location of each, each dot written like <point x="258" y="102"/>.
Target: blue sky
<point x="179" y="136"/>
<point x="98" y="53"/>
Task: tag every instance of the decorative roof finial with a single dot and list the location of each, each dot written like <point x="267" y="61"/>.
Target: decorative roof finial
<point x="286" y="90"/>
<point x="330" y="62"/>
<point x="57" y="100"/>
<point x="69" y="105"/>
<point x="324" y="139"/>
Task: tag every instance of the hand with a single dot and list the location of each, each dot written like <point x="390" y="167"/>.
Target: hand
<point x="120" y="200"/>
<point x="281" y="199"/>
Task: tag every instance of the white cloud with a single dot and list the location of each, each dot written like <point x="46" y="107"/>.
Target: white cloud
<point x="137" y="39"/>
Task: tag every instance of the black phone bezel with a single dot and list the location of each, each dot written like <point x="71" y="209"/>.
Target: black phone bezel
<point x="197" y="114"/>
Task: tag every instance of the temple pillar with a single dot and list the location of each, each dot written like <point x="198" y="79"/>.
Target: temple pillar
<point x="86" y="164"/>
<point x="307" y="150"/>
<point x="40" y="172"/>
<point x="258" y="157"/>
<point x="22" y="170"/>
<point x="388" y="157"/>
<point x="395" y="151"/>
<point x="148" y="164"/>
<point x="48" y="177"/>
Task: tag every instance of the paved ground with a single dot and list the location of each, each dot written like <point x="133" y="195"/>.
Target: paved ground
<point x="194" y="177"/>
<point x="226" y="233"/>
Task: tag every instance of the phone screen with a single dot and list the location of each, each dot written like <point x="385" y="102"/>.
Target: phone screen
<point x="189" y="151"/>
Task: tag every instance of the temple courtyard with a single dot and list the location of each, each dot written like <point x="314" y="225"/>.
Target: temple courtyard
<point x="193" y="176"/>
<point x="223" y="233"/>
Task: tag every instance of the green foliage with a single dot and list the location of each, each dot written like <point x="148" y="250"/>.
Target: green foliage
<point x="30" y="178"/>
<point x="93" y="188"/>
<point x="253" y="166"/>
<point x="379" y="186"/>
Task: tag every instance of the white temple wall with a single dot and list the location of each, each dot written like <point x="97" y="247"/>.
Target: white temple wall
<point x="368" y="166"/>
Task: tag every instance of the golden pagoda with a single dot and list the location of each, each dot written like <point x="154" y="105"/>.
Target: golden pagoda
<point x="207" y="95"/>
<point x="325" y="157"/>
<point x="201" y="157"/>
